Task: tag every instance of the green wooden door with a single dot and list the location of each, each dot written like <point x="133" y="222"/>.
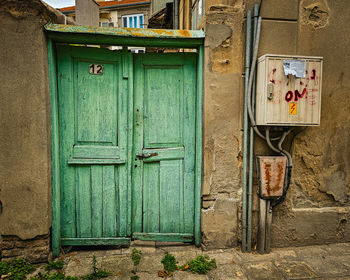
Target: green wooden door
<point x="164" y="147"/>
<point x="93" y="128"/>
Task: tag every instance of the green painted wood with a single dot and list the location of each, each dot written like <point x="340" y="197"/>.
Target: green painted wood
<point x="98" y="39"/>
<point x="137" y="187"/>
<point x="199" y="143"/>
<point x="109" y="201"/>
<point x="189" y="138"/>
<point x="171" y="206"/>
<point x="180" y="107"/>
<point x="80" y="161"/>
<point x="88" y="151"/>
<point x="163" y="112"/>
<point x="56" y="225"/>
<point x="83" y="201"/>
<point x="164" y="125"/>
<point x="128" y="87"/>
<point x="151" y="195"/>
<point x="66" y="134"/>
<point x="96" y="200"/>
<point x="165" y="237"/>
<point x="94" y="124"/>
<point x="95" y="241"/>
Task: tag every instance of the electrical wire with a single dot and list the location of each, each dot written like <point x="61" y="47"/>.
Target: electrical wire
<point x="250" y="84"/>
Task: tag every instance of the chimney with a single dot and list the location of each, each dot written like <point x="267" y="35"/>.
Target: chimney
<point x="86" y="12"/>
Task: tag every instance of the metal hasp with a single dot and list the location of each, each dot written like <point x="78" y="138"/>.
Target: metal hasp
<point x="142" y="156"/>
<point x="271" y="175"/>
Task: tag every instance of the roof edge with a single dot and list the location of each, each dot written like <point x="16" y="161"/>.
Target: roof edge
<point x="127" y="32"/>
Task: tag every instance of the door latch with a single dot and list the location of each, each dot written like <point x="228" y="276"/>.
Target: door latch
<point x="142" y="156"/>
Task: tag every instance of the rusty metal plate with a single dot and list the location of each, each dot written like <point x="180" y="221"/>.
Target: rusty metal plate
<point x="271" y="173"/>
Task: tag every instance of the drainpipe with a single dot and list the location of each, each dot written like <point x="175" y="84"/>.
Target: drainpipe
<point x="251" y="146"/>
<point x="245" y="134"/>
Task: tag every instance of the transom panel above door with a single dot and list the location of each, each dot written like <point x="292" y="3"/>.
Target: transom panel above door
<point x="93" y="121"/>
<point x="164" y="146"/>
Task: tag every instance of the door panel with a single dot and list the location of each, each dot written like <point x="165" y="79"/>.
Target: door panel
<point x="164" y="146"/>
<point x="93" y="145"/>
<point x="163" y="112"/>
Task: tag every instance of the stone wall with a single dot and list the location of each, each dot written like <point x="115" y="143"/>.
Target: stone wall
<point x="25" y="173"/>
<point x="33" y="250"/>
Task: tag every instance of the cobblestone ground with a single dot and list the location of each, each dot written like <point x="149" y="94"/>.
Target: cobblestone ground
<point x="314" y="262"/>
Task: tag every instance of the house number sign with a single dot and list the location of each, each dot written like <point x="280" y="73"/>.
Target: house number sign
<point x="96" y="69"/>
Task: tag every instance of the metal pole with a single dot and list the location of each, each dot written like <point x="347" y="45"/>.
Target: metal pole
<point x="268" y="226"/>
<point x="262" y="223"/>
<point x="251" y="147"/>
<point x="245" y="135"/>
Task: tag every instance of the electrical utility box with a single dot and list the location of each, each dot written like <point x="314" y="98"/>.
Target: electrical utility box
<point x="288" y="90"/>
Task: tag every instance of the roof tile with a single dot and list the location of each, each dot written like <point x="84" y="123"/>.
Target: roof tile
<point x="106" y="4"/>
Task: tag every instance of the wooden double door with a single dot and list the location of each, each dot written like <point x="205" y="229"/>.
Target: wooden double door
<point x="127" y="145"/>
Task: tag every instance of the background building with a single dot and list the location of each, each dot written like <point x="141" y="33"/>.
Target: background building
<point x="124" y="13"/>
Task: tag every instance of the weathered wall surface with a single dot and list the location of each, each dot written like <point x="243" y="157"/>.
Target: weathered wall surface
<point x="24" y="130"/>
<point x="316" y="210"/>
<point x="222" y="123"/>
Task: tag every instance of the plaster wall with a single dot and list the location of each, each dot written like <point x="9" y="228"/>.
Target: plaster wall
<point x="222" y="160"/>
<point x="25" y="173"/>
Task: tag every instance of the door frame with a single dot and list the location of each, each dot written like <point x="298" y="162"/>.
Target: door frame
<point x="57" y="33"/>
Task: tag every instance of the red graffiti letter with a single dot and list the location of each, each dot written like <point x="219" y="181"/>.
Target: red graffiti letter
<point x="289" y="96"/>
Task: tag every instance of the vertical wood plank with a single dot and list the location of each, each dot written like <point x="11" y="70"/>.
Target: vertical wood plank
<point x="96" y="200"/>
<point x="56" y="199"/>
<point x="151" y="197"/>
<point x="199" y="135"/>
<point x="122" y="199"/>
<point x="67" y="125"/>
<point x="138" y="143"/>
<point x="83" y="200"/>
<point x="169" y="196"/>
<point x="130" y="158"/>
<point x="189" y="141"/>
<point x="109" y="201"/>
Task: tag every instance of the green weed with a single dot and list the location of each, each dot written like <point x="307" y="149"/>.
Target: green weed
<point x="169" y="263"/>
<point x="200" y="265"/>
<point x="54" y="265"/>
<point x="136" y="256"/>
<point x="97" y="272"/>
<point x="15" y="270"/>
<point x="53" y="276"/>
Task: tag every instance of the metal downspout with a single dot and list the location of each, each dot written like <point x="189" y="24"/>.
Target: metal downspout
<point x="251" y="146"/>
<point x="245" y="135"/>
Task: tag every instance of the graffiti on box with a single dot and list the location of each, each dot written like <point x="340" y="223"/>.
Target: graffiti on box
<point x="308" y="90"/>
